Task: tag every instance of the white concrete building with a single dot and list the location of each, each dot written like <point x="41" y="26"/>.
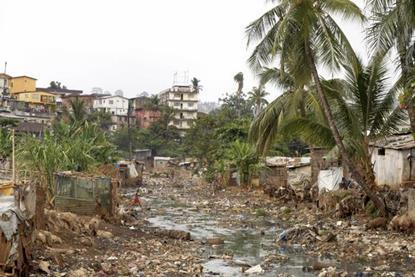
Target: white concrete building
<point x="183" y="99"/>
<point x="114" y="104"/>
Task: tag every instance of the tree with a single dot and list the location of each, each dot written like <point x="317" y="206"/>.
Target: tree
<point x="196" y="85"/>
<point x="303" y="35"/>
<point x="393" y="26"/>
<point x="101" y="118"/>
<point x="56" y="85"/>
<point x="243" y="156"/>
<point x="77" y="111"/>
<point x="257" y="96"/>
<point x="239" y="79"/>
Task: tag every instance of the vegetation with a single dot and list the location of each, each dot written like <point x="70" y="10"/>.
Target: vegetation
<point x="77" y="146"/>
<point x="56" y="85"/>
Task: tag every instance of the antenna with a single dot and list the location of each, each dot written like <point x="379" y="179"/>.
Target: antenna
<point x="5" y="67"/>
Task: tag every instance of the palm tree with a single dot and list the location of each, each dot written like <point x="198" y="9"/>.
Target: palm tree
<point x="196" y="85"/>
<point x="303" y="35"/>
<point x="77" y="112"/>
<point x="239" y="79"/>
<point x="257" y="96"/>
<point x="394" y="27"/>
<point x="243" y="156"/>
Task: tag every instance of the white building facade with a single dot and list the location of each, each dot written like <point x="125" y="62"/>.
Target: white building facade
<point x="183" y="99"/>
<point x="115" y="105"/>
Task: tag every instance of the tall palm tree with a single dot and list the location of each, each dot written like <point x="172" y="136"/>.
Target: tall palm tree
<point x="239" y="79"/>
<point x="196" y="85"/>
<point x="303" y="35"/>
<point x="393" y="26"/>
<point x="257" y="96"/>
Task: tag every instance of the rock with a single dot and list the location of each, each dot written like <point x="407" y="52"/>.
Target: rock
<point x="328" y="272"/>
<point x="379" y="222"/>
<point x="41" y="237"/>
<point x="255" y="270"/>
<point x="55" y="239"/>
<point x="215" y="241"/>
<point x="44" y="266"/>
<point x="106" y="267"/>
<point x="104" y="234"/>
<point x="81" y="272"/>
<point x="86" y="241"/>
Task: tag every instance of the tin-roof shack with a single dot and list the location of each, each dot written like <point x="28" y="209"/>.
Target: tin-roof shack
<point x="393" y="159"/>
<point x="85" y="194"/>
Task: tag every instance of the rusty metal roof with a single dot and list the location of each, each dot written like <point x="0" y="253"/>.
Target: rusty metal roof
<point x="397" y="142"/>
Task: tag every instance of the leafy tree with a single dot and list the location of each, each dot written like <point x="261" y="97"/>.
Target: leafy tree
<point x="234" y="106"/>
<point x="101" y="118"/>
<point x="56" y="85"/>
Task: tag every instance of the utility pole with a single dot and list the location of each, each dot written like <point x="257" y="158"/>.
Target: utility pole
<point x="13" y="159"/>
<point x="130" y="146"/>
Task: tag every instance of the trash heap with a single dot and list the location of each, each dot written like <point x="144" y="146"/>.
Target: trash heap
<point x="16" y="229"/>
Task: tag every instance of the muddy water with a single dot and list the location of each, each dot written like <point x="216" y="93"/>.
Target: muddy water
<point x="248" y="246"/>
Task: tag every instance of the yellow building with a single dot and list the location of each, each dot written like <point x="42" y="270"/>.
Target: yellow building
<point x="22" y="84"/>
<point x="36" y="97"/>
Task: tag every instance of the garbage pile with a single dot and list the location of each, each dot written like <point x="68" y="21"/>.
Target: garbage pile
<point x="299" y="189"/>
<point x="16" y="228"/>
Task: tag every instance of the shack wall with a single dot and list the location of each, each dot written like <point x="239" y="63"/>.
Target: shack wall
<point x="392" y="168"/>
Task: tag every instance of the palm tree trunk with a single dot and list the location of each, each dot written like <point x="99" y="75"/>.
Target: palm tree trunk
<point x="365" y="180"/>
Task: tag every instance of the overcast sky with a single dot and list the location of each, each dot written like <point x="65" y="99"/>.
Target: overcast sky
<point x="132" y="45"/>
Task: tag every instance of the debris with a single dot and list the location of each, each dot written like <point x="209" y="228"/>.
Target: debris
<point x="44" y="266"/>
<point x="379" y="222"/>
<point x="403" y="223"/>
<point x="104" y="234"/>
<point x="215" y="241"/>
<point x="255" y="270"/>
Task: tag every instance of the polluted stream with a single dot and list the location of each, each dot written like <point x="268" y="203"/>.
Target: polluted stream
<point x="248" y="246"/>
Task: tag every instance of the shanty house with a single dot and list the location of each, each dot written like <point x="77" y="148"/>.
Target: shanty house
<point x="393" y="159"/>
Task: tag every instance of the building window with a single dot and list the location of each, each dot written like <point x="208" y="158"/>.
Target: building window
<point x="190" y="104"/>
<point x="111" y="102"/>
<point x="176" y="104"/>
<point x="181" y="96"/>
<point x="181" y="115"/>
<point x="381" y="152"/>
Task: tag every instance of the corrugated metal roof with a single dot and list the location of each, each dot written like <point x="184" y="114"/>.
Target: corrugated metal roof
<point x="397" y="142"/>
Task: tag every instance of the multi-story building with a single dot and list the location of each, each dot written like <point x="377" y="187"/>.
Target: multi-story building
<point x="183" y="99"/>
<point x="22" y="84"/>
<point x="145" y="112"/>
<point x="115" y="105"/>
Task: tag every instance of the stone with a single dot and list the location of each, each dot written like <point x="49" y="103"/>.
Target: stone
<point x="44" y="266"/>
<point x="215" y="241"/>
<point x="104" y="234"/>
<point x="255" y="270"/>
